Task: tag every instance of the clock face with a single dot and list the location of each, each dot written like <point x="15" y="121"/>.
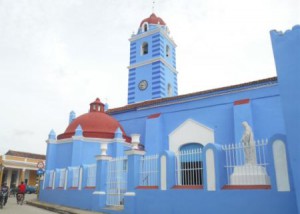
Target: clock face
<point x="143" y="85"/>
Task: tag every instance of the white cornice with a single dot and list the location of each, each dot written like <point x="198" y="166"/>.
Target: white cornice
<point x="129" y="194"/>
<point x="99" y="193"/>
<point x="147" y="62"/>
<point x="86" y="139"/>
<point x="135" y="152"/>
<point x="19" y="164"/>
<point x="148" y="33"/>
<point x="93" y="140"/>
<point x="51" y="141"/>
<point x="103" y="157"/>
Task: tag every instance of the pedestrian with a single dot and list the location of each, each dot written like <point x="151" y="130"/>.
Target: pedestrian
<point x="21" y="192"/>
<point x="4" y="190"/>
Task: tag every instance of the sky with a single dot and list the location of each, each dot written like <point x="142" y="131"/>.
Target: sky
<point x="60" y="55"/>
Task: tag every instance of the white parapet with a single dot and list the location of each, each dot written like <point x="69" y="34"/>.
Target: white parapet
<point x="249" y="175"/>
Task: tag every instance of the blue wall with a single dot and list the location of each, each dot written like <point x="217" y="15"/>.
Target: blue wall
<point x="214" y="111"/>
<point x="286" y="48"/>
<point x="226" y="201"/>
<point x="181" y="201"/>
<point x="64" y="156"/>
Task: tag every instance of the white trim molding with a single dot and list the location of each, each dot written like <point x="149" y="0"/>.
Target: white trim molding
<point x="99" y="193"/>
<point x="148" y="33"/>
<point x="211" y="173"/>
<point x="190" y="131"/>
<point x="135" y="152"/>
<point x="281" y="166"/>
<point x="129" y="194"/>
<point x="103" y="157"/>
<point x="147" y="62"/>
<point x="51" y="141"/>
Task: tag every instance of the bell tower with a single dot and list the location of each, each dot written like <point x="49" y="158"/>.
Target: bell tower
<point x="152" y="68"/>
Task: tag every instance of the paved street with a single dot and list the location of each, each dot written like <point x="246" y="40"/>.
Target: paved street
<point x="13" y="208"/>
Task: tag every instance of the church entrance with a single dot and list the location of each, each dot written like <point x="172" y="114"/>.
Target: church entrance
<point x="116" y="181"/>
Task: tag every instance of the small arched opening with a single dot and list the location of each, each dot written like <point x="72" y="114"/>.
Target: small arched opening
<point x="145" y="27"/>
<point x="144" y="48"/>
<point x="170" y="91"/>
<point x="167" y="51"/>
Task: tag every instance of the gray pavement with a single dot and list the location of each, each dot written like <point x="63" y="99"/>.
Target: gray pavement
<point x="13" y="208"/>
<point x="32" y="205"/>
<point x="56" y="208"/>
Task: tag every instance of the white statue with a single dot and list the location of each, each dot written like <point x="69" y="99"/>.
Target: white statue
<point x="249" y="145"/>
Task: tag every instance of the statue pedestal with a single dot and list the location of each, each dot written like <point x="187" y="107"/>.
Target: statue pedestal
<point x="249" y="175"/>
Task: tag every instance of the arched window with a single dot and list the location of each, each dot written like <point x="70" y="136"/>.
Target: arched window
<point x="145" y="27"/>
<point x="190" y="164"/>
<point x="167" y="51"/>
<point x="170" y="91"/>
<point x="145" y="48"/>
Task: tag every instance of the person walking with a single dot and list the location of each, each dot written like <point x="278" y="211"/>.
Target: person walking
<point x="4" y="190"/>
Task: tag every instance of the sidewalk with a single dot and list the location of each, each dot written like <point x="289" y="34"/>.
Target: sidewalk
<point x="57" y="208"/>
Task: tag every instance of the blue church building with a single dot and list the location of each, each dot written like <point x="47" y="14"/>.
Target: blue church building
<point x="226" y="150"/>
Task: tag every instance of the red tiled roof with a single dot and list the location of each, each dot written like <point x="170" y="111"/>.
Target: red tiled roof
<point x="153" y="19"/>
<point x="184" y="96"/>
<point x="25" y="155"/>
<point x="95" y="124"/>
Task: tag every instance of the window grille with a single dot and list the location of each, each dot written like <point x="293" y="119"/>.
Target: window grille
<point x="51" y="178"/>
<point x="189" y="167"/>
<point x="149" y="171"/>
<point x="241" y="173"/>
<point x="116" y="181"/>
<point x="75" y="176"/>
<point x="62" y="177"/>
<point x="91" y="175"/>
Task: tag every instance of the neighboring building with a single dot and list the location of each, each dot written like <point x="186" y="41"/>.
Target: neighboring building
<point x="226" y="150"/>
<point x="20" y="166"/>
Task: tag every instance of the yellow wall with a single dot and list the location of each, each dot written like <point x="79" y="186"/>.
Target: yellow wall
<point x="32" y="178"/>
<point x="21" y="164"/>
<point x="8" y="157"/>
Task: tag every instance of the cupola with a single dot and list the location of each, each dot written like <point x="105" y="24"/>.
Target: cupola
<point x="94" y="124"/>
<point x="153" y="19"/>
<point x="97" y="106"/>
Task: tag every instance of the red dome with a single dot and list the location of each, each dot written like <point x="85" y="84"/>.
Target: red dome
<point x="153" y="19"/>
<point x="95" y="124"/>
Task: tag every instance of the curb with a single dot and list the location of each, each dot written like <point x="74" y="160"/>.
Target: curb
<point x="53" y="209"/>
<point x="59" y="209"/>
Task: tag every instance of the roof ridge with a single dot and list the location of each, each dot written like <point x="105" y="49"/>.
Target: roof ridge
<point x="161" y="100"/>
<point x="25" y="154"/>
